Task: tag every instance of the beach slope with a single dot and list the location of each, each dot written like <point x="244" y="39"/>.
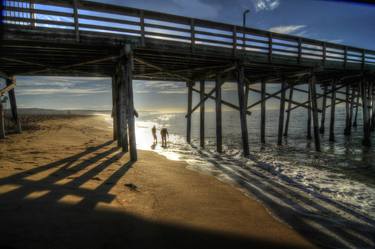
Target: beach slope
<point x="64" y="184"/>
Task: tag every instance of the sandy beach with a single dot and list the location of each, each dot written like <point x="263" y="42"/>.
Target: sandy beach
<point x="64" y="184"/>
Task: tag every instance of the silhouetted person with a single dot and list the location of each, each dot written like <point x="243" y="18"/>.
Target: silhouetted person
<point x="153" y="130"/>
<point x="164" y="135"/>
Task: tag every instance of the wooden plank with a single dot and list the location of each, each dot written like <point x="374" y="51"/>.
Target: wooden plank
<point x="202" y="114"/>
<point x="333" y="112"/>
<point x="263" y="112"/>
<point x="314" y="105"/>
<point x="219" y="141"/>
<point x="286" y="129"/>
<point x="243" y="121"/>
<point x="281" y="114"/>
<point x="189" y="107"/>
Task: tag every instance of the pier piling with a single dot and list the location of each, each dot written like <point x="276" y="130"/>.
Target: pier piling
<point x="13" y="104"/>
<point x="241" y="102"/>
<point x="2" y="121"/>
<point x="263" y="112"/>
<point x="324" y="104"/>
<point x="219" y="140"/>
<point x="281" y="113"/>
<point x="289" y="111"/>
<point x="189" y="108"/>
<point x="314" y="105"/>
<point x="366" y="129"/>
<point x="333" y="112"/>
<point x="309" y="114"/>
<point x="202" y="113"/>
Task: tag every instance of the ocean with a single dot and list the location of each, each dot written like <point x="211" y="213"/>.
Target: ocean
<point x="331" y="193"/>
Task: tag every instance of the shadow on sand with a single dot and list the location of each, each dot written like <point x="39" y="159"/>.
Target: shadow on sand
<point x="324" y="222"/>
<point x="46" y="222"/>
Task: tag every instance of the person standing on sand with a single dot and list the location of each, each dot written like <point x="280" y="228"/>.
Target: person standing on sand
<point x="164" y="134"/>
<point x="153" y="130"/>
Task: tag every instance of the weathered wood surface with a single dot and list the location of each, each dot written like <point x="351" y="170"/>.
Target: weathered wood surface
<point x="13" y="104"/>
<point x="202" y="114"/>
<point x="168" y="46"/>
<point x="243" y="120"/>
<point x="263" y="113"/>
<point x="2" y="121"/>
<point x="219" y="132"/>
<point x="333" y="112"/>
<point x="188" y="118"/>
<point x="286" y="129"/>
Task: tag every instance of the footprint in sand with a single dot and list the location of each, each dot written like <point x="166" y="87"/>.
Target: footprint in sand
<point x="131" y="186"/>
<point x="96" y="179"/>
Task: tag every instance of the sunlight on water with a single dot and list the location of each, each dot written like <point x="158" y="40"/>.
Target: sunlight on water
<point x="344" y="172"/>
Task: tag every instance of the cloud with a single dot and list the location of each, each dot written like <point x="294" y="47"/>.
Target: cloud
<point x="261" y="5"/>
<point x="336" y="41"/>
<point x="289" y="29"/>
<point x="62" y="85"/>
<point x="159" y="87"/>
<point x="197" y="8"/>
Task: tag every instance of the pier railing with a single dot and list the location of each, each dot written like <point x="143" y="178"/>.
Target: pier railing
<point x="86" y="16"/>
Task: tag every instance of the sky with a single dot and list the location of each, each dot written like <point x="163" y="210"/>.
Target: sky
<point x="342" y="22"/>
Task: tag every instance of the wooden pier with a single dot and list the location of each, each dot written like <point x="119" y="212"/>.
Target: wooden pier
<point x="84" y="38"/>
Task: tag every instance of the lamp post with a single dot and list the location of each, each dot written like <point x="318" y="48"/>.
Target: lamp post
<point x="244" y="26"/>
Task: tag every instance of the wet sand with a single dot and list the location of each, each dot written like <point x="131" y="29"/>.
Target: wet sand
<point x="64" y="184"/>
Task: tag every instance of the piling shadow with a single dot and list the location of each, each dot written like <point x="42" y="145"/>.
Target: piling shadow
<point x="324" y="222"/>
<point x="46" y="222"/>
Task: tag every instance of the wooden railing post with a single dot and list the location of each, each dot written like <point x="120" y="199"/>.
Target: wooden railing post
<point x="32" y="14"/>
<point x="234" y="40"/>
<point x="299" y="50"/>
<point x="363" y="58"/>
<point x="269" y="47"/>
<point x="142" y="24"/>
<point x="324" y="53"/>
<point x="192" y="34"/>
<point x="76" y="20"/>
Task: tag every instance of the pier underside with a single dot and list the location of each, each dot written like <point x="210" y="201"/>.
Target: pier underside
<point x="146" y="54"/>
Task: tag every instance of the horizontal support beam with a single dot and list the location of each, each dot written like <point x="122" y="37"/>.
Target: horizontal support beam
<point x="306" y="102"/>
<point x="114" y="58"/>
<point x="7" y="89"/>
<point x="287" y="100"/>
<point x="222" y="101"/>
<point x="168" y="72"/>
